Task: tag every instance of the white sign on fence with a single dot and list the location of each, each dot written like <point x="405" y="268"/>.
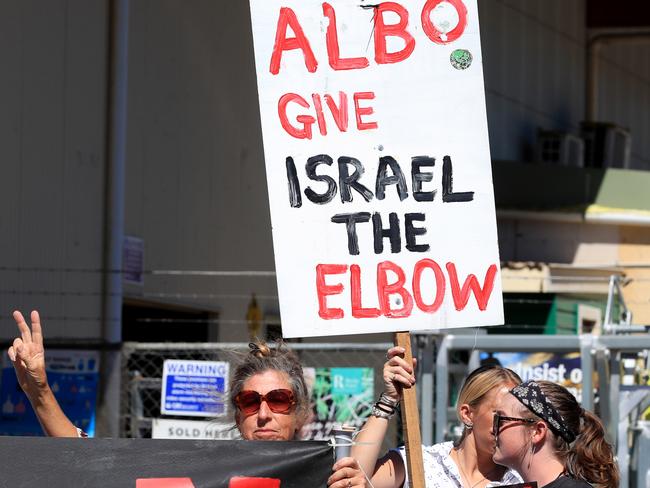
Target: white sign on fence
<point x="194" y="388"/>
<point x="193" y="429"/>
<point x="378" y="165"/>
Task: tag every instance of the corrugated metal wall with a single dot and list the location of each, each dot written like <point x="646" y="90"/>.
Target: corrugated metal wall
<point x="534" y="68"/>
<point x="196" y="182"/>
<point x="624" y="95"/>
<point x="52" y="94"/>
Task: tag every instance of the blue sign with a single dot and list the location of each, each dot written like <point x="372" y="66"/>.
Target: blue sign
<point x="133" y="260"/>
<point x="194" y="388"/>
<point x="73" y="377"/>
<point x="348" y="381"/>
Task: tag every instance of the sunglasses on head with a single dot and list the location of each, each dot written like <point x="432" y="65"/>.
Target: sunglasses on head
<point x="498" y="418"/>
<point x="279" y="401"/>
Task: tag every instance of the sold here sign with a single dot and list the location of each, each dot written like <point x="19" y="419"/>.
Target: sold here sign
<point x="378" y="165"/>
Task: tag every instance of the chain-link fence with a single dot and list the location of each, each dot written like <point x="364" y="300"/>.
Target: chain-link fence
<point x="142" y="366"/>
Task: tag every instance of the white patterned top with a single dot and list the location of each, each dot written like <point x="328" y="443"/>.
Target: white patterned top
<point x="440" y="470"/>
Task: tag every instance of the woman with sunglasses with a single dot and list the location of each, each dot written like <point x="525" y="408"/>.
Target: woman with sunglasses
<point x="271" y="402"/>
<point x="267" y="391"/>
<point x="466" y="464"/>
<point x="544" y="433"/>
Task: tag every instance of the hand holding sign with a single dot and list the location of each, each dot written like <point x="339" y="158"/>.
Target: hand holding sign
<point x="398" y="374"/>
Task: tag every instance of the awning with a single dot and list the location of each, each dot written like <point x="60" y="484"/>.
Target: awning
<point x="533" y="277"/>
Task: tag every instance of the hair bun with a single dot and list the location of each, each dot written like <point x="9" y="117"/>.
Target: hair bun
<point x="259" y="349"/>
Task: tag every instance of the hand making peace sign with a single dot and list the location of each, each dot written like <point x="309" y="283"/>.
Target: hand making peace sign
<point x="27" y="354"/>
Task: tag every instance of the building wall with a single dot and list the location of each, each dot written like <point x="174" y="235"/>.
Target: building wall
<point x="559" y="242"/>
<point x="603" y="246"/>
<point x="534" y="69"/>
<point x="624" y="86"/>
<point x="52" y="128"/>
<point x="196" y="182"/>
<point x="634" y="252"/>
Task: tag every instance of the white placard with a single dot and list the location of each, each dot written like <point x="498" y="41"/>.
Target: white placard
<point x="378" y="165"/>
<point x="193" y="429"/>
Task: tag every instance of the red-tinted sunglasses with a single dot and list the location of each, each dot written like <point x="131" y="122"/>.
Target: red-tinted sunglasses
<point x="279" y="401"/>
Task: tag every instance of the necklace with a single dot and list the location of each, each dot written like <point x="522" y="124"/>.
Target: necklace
<point x="464" y="474"/>
<point x="462" y="471"/>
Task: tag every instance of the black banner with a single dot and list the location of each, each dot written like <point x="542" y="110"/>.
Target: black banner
<point x="146" y="463"/>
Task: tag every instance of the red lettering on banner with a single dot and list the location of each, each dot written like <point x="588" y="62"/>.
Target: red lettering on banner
<point x="461" y="295"/>
<point x="283" y="43"/>
<point x="332" y="41"/>
<point x="420" y="266"/>
<point x="382" y="31"/>
<point x="164" y="483"/>
<point x="318" y="106"/>
<point x="397" y="286"/>
<point x="340" y="113"/>
<point x="240" y="482"/>
<point x="385" y="290"/>
<point x="358" y="311"/>
<point x="303" y="130"/>
<point x="325" y="290"/>
<point x="359" y="111"/>
<point x="434" y="34"/>
<point x="305" y="120"/>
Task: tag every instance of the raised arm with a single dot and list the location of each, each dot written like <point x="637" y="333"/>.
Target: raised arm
<point x="387" y="472"/>
<point x="28" y="358"/>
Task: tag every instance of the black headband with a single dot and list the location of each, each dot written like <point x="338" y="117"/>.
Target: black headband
<point x="531" y="396"/>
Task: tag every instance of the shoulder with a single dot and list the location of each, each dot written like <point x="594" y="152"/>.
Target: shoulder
<point x="441" y="449"/>
<point x="567" y="482"/>
<point x="439" y="469"/>
<point x="510" y="477"/>
<point x="440" y="465"/>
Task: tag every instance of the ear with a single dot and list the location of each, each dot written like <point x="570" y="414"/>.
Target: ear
<point x="539" y="432"/>
<point x="466" y="414"/>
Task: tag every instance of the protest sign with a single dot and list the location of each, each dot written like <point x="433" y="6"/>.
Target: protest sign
<point x="194" y="388"/>
<point x="146" y="463"/>
<point x="378" y="165"/>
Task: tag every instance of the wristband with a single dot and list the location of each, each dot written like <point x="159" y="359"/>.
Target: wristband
<point x="385" y="407"/>
<point x="379" y="412"/>
<point x="384" y="398"/>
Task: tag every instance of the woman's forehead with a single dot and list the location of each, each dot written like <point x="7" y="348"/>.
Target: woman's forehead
<point x="508" y="403"/>
<point x="494" y="395"/>
<point x="267" y="381"/>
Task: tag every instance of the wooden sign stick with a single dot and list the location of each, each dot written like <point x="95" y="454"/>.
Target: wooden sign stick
<point x="411" y="421"/>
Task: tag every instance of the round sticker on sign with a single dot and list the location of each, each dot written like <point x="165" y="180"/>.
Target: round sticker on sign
<point x="461" y="59"/>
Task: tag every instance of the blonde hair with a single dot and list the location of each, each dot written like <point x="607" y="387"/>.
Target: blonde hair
<point x="479" y="383"/>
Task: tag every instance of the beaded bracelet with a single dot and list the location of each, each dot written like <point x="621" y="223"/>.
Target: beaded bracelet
<point x="385" y="407"/>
